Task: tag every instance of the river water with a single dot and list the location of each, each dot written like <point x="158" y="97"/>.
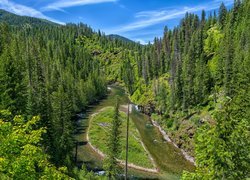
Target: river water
<point x="169" y="159"/>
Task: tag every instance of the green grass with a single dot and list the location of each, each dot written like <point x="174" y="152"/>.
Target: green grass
<point x="100" y="125"/>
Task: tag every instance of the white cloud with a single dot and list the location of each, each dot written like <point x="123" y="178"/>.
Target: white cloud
<point x="228" y="2"/>
<point x="24" y="10"/>
<point x="59" y="5"/>
<point x="141" y="41"/>
<point x="148" y="18"/>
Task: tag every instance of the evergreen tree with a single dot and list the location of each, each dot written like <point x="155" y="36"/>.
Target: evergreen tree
<point x="114" y="146"/>
<point x="62" y="127"/>
<point x="222" y="14"/>
<point x="55" y="71"/>
<point x="222" y="150"/>
<point x="12" y="81"/>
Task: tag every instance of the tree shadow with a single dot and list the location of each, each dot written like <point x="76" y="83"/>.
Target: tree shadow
<point x="80" y="129"/>
<point x="82" y="143"/>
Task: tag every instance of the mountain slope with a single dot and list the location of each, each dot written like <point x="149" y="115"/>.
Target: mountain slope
<point x="16" y="20"/>
<point x="115" y="36"/>
<point x="13" y="19"/>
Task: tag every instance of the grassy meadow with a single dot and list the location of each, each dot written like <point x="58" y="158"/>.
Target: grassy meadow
<point x="100" y="126"/>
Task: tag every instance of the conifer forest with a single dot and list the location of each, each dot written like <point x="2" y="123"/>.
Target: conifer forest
<point x="76" y="103"/>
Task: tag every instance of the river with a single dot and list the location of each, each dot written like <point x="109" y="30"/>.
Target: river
<point x="169" y="159"/>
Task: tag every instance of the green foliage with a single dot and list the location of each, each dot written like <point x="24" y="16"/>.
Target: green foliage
<point x="100" y="128"/>
<point x="12" y="79"/>
<point x="40" y="75"/>
<point x="170" y="123"/>
<point x="62" y="126"/>
<point x="222" y="14"/>
<point x="55" y="71"/>
<point x="162" y="95"/>
<point x="206" y="60"/>
<point x="128" y="74"/>
<point x="13" y="19"/>
<point x="143" y="95"/>
<point x="21" y="155"/>
<point x="83" y="174"/>
<point x="222" y="150"/>
<point x="212" y="42"/>
<point x="114" y="144"/>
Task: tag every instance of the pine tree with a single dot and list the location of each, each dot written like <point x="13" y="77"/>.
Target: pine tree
<point x="222" y="150"/>
<point x="12" y="82"/>
<point x="228" y="66"/>
<point x="62" y="127"/>
<point x="114" y="145"/>
<point x="222" y="14"/>
<point x="189" y="75"/>
<point x="128" y="74"/>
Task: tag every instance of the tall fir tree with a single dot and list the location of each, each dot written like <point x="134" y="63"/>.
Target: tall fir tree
<point x="114" y="144"/>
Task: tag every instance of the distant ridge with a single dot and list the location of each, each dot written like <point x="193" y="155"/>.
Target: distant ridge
<point x="115" y="36"/>
<point x="16" y="20"/>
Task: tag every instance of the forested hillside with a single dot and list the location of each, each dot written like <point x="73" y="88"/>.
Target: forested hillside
<point x="185" y="76"/>
<point x="13" y="19"/>
<point x="194" y="81"/>
<point x="46" y="72"/>
<point x="53" y="72"/>
<point x="197" y="75"/>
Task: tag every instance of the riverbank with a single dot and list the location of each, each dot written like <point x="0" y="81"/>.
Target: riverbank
<point x="167" y="138"/>
<point x="163" y="133"/>
<point x="101" y="128"/>
<point x="169" y="160"/>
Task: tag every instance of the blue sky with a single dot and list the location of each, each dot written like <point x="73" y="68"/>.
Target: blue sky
<point x="139" y="20"/>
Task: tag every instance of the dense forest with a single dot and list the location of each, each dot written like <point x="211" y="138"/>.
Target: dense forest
<point x="194" y="81"/>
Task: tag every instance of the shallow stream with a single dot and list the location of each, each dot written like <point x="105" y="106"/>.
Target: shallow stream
<point x="169" y="159"/>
